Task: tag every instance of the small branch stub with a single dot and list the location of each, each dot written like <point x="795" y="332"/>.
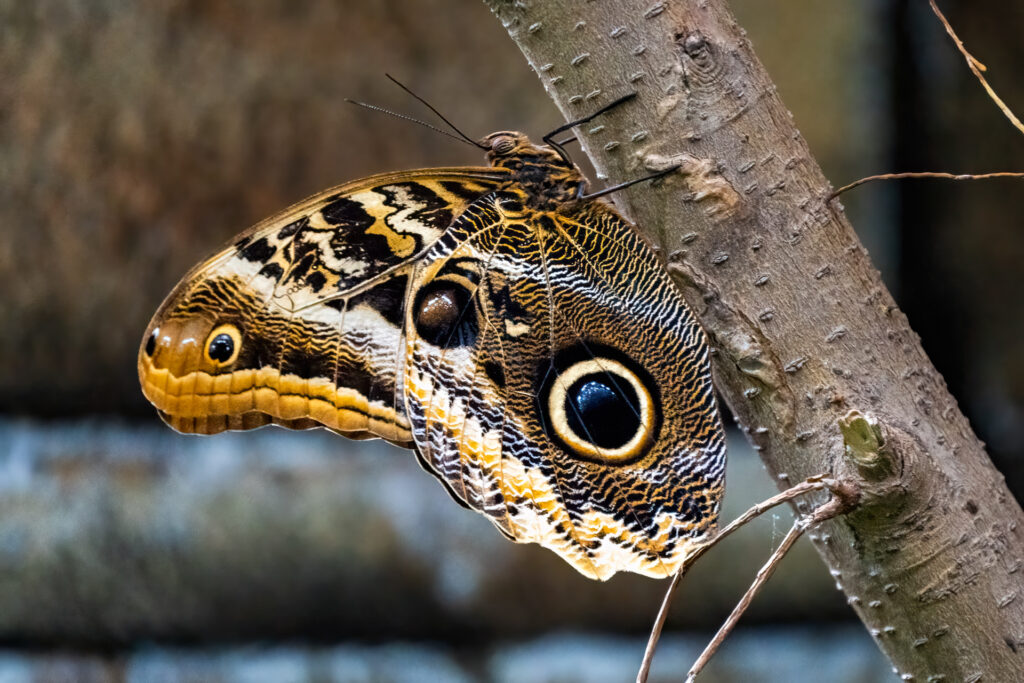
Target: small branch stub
<point x="703" y="182"/>
<point x="865" y="446"/>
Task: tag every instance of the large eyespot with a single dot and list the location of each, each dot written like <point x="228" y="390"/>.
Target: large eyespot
<point x="600" y="409"/>
<point x="223" y="345"/>
<point x="503" y="144"/>
<point x="445" y="315"/>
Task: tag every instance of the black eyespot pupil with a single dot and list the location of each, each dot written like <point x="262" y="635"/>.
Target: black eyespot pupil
<point x="445" y="315"/>
<point x="603" y="410"/>
<point x="151" y="343"/>
<point x="222" y="347"/>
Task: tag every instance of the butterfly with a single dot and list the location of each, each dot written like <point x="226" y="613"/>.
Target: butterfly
<point x="519" y="336"/>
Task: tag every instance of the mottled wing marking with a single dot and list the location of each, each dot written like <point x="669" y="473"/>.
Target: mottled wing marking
<point x="579" y="279"/>
<point x="666" y="503"/>
<point x="349" y="238"/>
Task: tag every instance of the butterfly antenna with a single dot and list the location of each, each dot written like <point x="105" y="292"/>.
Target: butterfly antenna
<point x="409" y="118"/>
<point x="429" y="106"/>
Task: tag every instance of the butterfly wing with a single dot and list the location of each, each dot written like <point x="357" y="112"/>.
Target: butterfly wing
<point x="299" y="321"/>
<point x="541" y="363"/>
<point x="558" y="383"/>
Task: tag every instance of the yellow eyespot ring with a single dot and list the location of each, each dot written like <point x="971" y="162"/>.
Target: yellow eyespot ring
<point x="222" y="345"/>
<point x="561" y="422"/>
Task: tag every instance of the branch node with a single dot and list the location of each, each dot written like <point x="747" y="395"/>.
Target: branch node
<point x="846" y="497"/>
<point x="702" y="180"/>
<point x="865" y="446"/>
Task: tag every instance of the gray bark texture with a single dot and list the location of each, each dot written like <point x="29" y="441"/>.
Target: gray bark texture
<point x="814" y="358"/>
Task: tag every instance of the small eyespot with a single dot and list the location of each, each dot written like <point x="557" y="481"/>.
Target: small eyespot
<point x="223" y="345"/>
<point x="444" y="314"/>
<point x="151" y="342"/>
<point x="503" y="144"/>
<point x="222" y="348"/>
<point x="601" y="410"/>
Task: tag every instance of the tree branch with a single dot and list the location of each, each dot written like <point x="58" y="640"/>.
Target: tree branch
<point x="805" y="331"/>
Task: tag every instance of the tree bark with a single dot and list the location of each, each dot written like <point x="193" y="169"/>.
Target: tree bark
<point x="819" y="366"/>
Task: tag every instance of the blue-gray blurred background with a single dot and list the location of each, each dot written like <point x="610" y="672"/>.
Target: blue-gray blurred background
<point x="136" y="137"/>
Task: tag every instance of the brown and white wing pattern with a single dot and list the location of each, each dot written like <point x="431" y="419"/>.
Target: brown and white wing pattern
<point x="556" y="381"/>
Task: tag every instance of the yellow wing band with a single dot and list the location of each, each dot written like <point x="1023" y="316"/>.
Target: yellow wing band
<point x="204" y="403"/>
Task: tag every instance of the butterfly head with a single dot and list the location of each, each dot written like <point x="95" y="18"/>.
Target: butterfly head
<point x="548" y="179"/>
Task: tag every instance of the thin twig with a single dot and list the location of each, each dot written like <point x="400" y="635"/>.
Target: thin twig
<point x="924" y="174"/>
<point x="763" y="573"/>
<point x="811" y="484"/>
<point x="832" y="508"/>
<point x="976" y="68"/>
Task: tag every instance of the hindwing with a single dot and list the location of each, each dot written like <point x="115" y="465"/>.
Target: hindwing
<point x="569" y="397"/>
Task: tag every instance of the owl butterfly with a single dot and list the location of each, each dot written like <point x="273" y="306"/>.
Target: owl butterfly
<point x="521" y="338"/>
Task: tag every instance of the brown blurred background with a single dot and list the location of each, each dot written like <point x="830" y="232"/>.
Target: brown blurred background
<point x="137" y="137"/>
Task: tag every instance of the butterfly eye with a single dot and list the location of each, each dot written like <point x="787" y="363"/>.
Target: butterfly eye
<point x="601" y="410"/>
<point x="444" y="314"/>
<point x="223" y="345"/>
<point x="503" y="144"/>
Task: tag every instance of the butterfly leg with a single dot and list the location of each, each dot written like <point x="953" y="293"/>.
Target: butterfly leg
<point x="616" y="188"/>
<point x="557" y="146"/>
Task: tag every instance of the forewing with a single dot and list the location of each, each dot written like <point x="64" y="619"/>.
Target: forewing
<point x="311" y="305"/>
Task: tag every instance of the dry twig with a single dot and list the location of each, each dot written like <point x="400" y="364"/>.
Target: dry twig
<point x="832" y="508"/>
<point x="811" y="484"/>
<point x="924" y="174"/>
<point x="976" y="68"/>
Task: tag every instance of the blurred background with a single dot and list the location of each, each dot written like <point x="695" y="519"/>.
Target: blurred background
<point x="137" y="137"/>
